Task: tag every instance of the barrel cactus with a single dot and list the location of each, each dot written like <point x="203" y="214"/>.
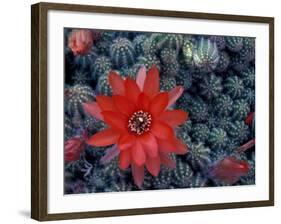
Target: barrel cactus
<point x="149" y="60"/>
<point x="187" y="50"/>
<point x="199" y="156"/>
<point x="224" y="62"/>
<point x="168" y="55"/>
<point x="170" y="69"/>
<point x="223" y="104"/>
<point x="234" y="43"/>
<point x="206" y="55"/>
<point x="248" y="77"/>
<point x="122" y="52"/>
<point x="239" y="130"/>
<point x="182" y="173"/>
<point x="184" y="79"/>
<point x="240" y="109"/>
<point x="101" y="66"/>
<point x="103" y="87"/>
<point x="248" y="51"/>
<point x="210" y="86"/>
<point x="218" y="138"/>
<point x="200" y="132"/>
<point x="233" y="86"/>
<point x="220" y="41"/>
<point x="167" y="83"/>
<point x="75" y="96"/>
<point x="198" y="110"/>
<point x="138" y="44"/>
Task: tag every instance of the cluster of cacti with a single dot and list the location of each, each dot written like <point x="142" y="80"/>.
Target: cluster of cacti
<point x="217" y="74"/>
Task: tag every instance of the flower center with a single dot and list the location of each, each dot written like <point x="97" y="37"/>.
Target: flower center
<point x="140" y="122"/>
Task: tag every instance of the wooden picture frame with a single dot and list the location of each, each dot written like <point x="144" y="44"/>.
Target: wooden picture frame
<point x="39" y="108"/>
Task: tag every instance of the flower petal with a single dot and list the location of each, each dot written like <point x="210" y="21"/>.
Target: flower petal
<point x="151" y="83"/>
<point x="104" y="138"/>
<point x="141" y="77"/>
<point x="126" y="141"/>
<point x="117" y="83"/>
<point x="143" y="102"/>
<point x="138" y="154"/>
<point x="132" y="90"/>
<point x="124" y="159"/>
<point x="123" y="105"/>
<point x="149" y="144"/>
<point x="167" y="161"/>
<point x="153" y="165"/>
<point x="138" y="174"/>
<point x="115" y="120"/>
<point x="173" y="117"/>
<point x="159" y="103"/>
<point x="174" y="95"/>
<point x="161" y="130"/>
<point x="93" y="109"/>
<point x="106" y="103"/>
<point x="172" y="145"/>
<point x="110" y="154"/>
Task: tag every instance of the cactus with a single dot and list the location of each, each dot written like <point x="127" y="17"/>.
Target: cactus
<point x="212" y="120"/>
<point x="198" y="110"/>
<point x="182" y="173"/>
<point x="170" y="69"/>
<point x="223" y="105"/>
<point x="234" y="44"/>
<point x="186" y="126"/>
<point x="102" y="66"/>
<point x="220" y="41"/>
<point x="184" y="101"/>
<point x="248" y="77"/>
<point x="138" y="44"/>
<point x="239" y="131"/>
<point x="224" y="62"/>
<point x="81" y="77"/>
<point x="184" y="79"/>
<point x="103" y="87"/>
<point x="210" y="86"/>
<point x="240" y="109"/>
<point x="239" y="64"/>
<point x="206" y="55"/>
<point x="187" y="50"/>
<point x="122" y="52"/>
<point x="163" y="180"/>
<point x="248" y="51"/>
<point x="167" y="83"/>
<point x="148" y="61"/>
<point x="75" y="96"/>
<point x="224" y="122"/>
<point x="84" y="61"/>
<point x="168" y="55"/>
<point x="234" y="87"/>
<point x="200" y="132"/>
<point x="218" y="138"/>
<point x="184" y="137"/>
<point x="198" y="181"/>
<point x="172" y="41"/>
<point x="199" y="156"/>
<point x="248" y="94"/>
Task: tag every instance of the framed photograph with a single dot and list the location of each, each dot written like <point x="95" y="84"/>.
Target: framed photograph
<point x="139" y="111"/>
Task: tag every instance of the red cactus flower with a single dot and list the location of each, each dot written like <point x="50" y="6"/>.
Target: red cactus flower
<point x="141" y="122"/>
<point x="249" y="119"/>
<point x="80" y="41"/>
<point x="229" y="170"/>
<point x="74" y="146"/>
